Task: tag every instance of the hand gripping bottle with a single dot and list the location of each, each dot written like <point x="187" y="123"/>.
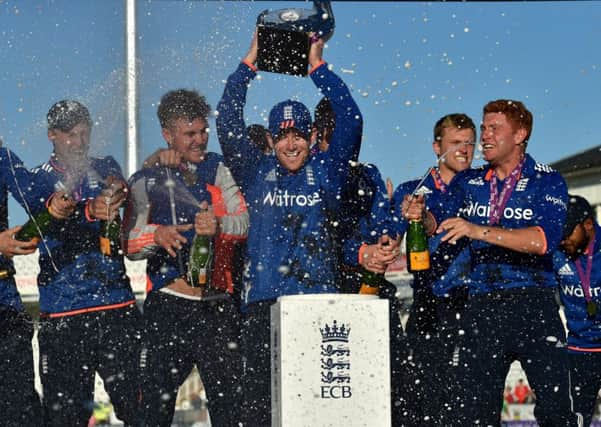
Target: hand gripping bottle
<point x="201" y="255"/>
<point x="37" y="226"/>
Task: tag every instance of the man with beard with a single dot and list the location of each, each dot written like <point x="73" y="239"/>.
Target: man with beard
<point x="578" y="267"/>
<point x="88" y="317"/>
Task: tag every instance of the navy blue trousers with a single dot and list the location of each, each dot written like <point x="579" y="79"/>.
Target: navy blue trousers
<point x="500" y="328"/>
<point x="180" y="333"/>
<point x="428" y="387"/>
<point x="585" y="377"/>
<point x="256" y="349"/>
<point x="19" y="402"/>
<point x="74" y="348"/>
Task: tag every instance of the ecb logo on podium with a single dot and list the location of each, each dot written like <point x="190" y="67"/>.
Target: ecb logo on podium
<point x="335" y="362"/>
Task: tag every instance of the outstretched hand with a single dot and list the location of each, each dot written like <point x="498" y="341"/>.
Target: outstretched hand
<point x="456" y="228"/>
<point x="169" y="238"/>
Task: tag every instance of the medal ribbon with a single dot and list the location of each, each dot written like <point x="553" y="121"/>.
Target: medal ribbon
<point x="585" y="278"/>
<point x="438" y="180"/>
<point x="498" y="201"/>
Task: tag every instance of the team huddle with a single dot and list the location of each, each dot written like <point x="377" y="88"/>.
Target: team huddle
<point x="290" y="210"/>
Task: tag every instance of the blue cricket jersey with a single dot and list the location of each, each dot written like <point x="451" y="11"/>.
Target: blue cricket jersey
<point x="149" y="206"/>
<point x="449" y="263"/>
<point x="74" y="274"/>
<point x="539" y="199"/>
<point x="584" y="332"/>
<point x="13" y="176"/>
<point x="290" y="248"/>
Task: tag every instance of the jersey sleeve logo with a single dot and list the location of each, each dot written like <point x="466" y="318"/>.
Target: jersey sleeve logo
<point x="541" y="167"/>
<point x="555" y="201"/>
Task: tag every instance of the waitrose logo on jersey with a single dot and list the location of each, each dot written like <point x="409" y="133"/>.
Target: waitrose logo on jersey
<point x="285" y="199"/>
<point x="576" y="290"/>
<point x="483" y="211"/>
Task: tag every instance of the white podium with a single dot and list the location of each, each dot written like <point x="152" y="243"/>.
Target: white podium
<point x="330" y="361"/>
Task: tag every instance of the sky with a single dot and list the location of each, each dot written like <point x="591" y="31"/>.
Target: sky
<point x="407" y="64"/>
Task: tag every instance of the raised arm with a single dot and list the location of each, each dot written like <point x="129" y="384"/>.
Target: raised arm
<point x="346" y="138"/>
<point x="236" y="146"/>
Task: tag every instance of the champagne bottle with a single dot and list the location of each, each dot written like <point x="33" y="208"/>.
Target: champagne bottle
<point x="110" y="236"/>
<point x="418" y="255"/>
<point x="201" y="254"/>
<point x="36" y="227"/>
<point x="370" y="282"/>
<point x="110" y="230"/>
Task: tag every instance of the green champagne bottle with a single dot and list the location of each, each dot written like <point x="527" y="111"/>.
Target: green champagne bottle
<point x="418" y="254"/>
<point x="370" y="282"/>
<point x="31" y="230"/>
<point x="110" y="237"/>
<point x="201" y="254"/>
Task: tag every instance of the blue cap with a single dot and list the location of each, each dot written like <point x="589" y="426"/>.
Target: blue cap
<point x="290" y="114"/>
<point x="579" y="210"/>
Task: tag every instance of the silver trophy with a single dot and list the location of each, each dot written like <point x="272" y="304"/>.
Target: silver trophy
<point x="283" y="37"/>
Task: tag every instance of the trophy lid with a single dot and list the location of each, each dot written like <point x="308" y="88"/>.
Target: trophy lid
<point x="319" y="20"/>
